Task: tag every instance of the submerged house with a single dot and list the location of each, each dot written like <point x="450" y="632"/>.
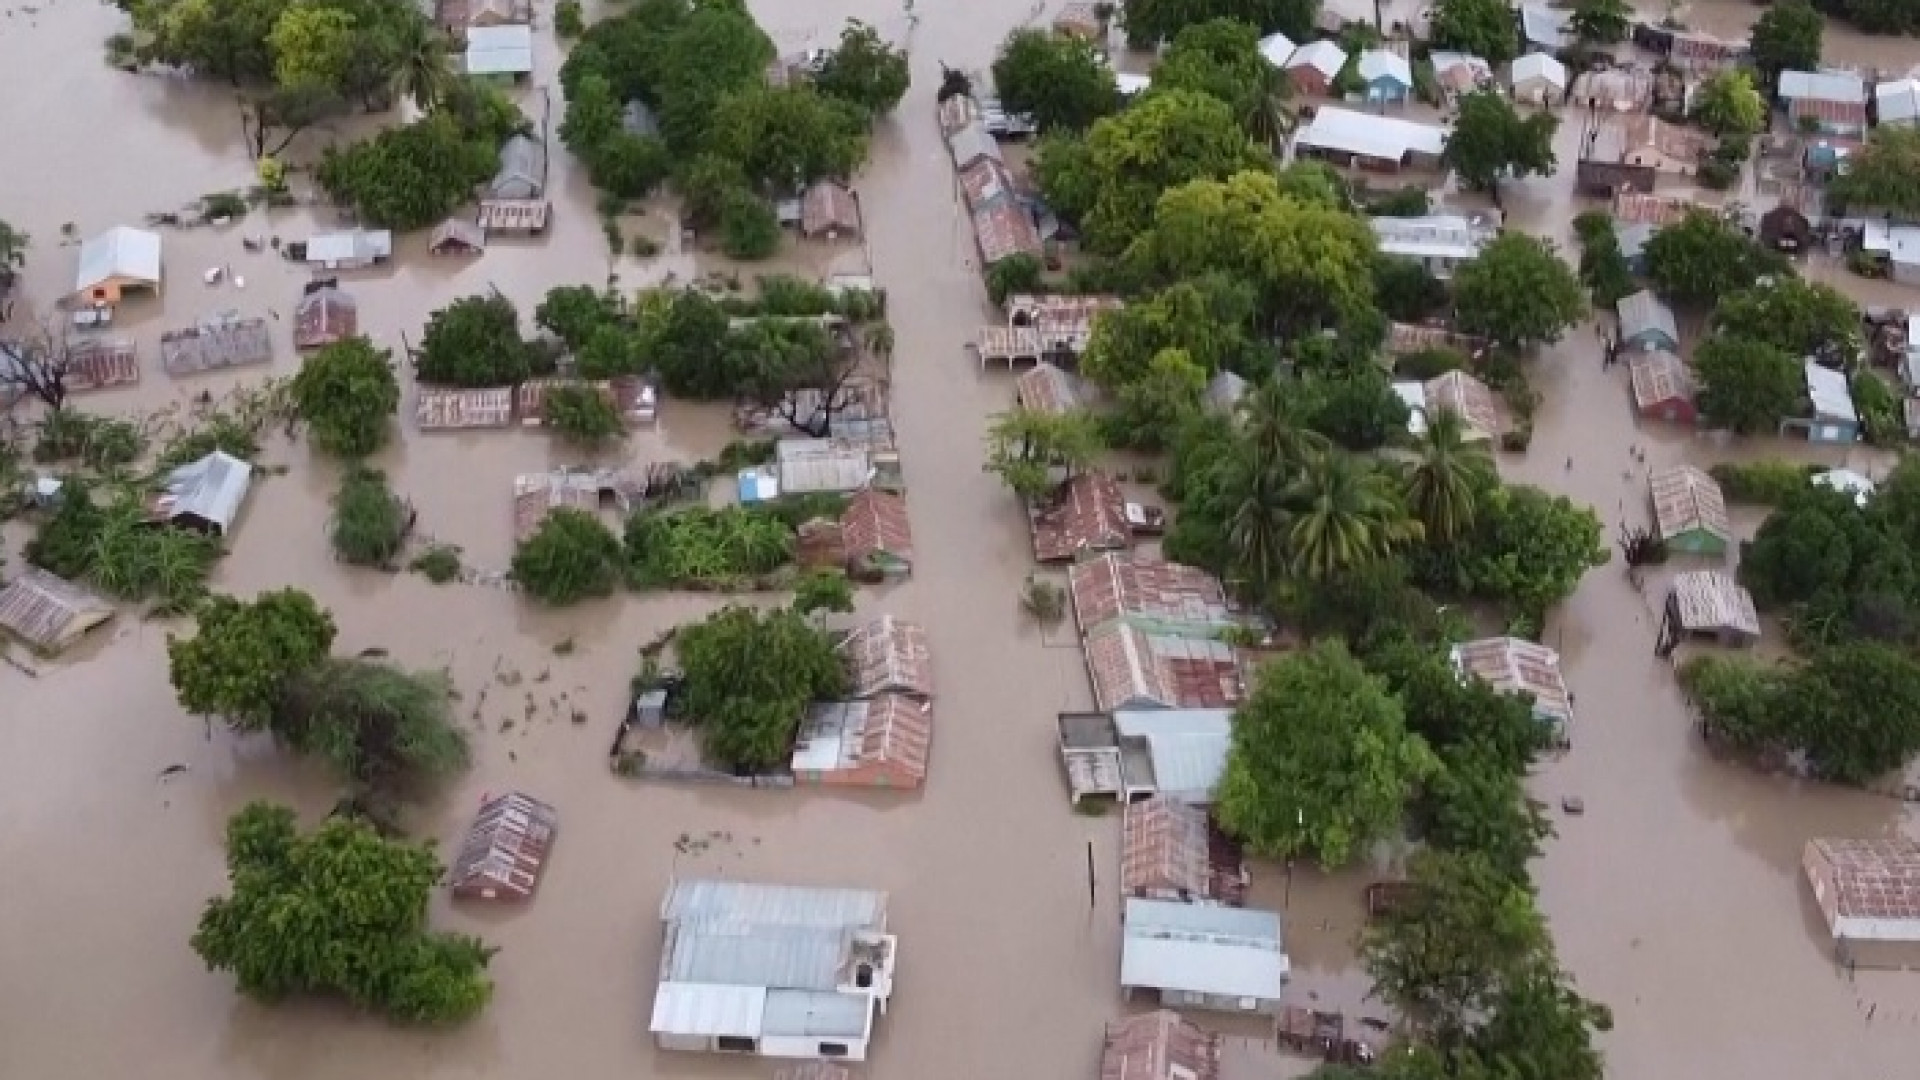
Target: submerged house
<point x="1132" y="668"/>
<point x="822" y="465"/>
<point x="1710" y="604"/>
<point x="326" y="314"/>
<point x="1662" y="387"/>
<point x="1439" y="243"/>
<point x="1150" y="593"/>
<point x="1646" y="322"/>
<point x="882" y="742"/>
<point x="1203" y="956"/>
<point x="116" y="262"/>
<point x="1868" y="893"/>
<point x="1084" y="515"/>
<point x="1134" y="754"/>
<point x="500" y="53"/>
<point x="1160" y="1045"/>
<point x="457" y="236"/>
<point x="1829" y="102"/>
<point x="876" y="535"/>
<point x="1171" y="850"/>
<point x="504" y="852"/>
<point x="888" y="656"/>
<point x="205" y="495"/>
<point x="831" y="210"/>
<point x="354" y="249"/>
<point x="1690" y="512"/>
<point x="48" y="613"/>
<point x="1368" y="141"/>
<point x="1831" y="416"/>
<point x="445" y="409"/>
<point x="1515" y="666"/>
<point x="1388" y="76"/>
<point x="779" y="971"/>
<point x="1468" y="398"/>
<point x="1313" y="67"/>
<point x="1048" y="388"/>
<point x="216" y="344"/>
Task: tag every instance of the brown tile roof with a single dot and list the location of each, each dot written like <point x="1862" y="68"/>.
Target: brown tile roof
<point x="1148" y="590"/>
<point x="1871" y="879"/>
<point x="1046" y="388"/>
<point x="1086" y="514"/>
<point x="505" y="850"/>
<point x="888" y="655"/>
<point x="875" y="522"/>
<point x="1063" y="320"/>
<point x="1711" y="600"/>
<point x="1130" y="667"/>
<point x="101" y="364"/>
<point x="1460" y="393"/>
<point x="1659" y="377"/>
<point x="1686" y="499"/>
<point x="883" y="741"/>
<point x="1171" y="850"/>
<point x="1004" y="230"/>
<point x="829" y="207"/>
<point x="49" y="613"/>
<point x="440" y="409"/>
<point x="536" y="495"/>
<point x="1159" y="1046"/>
<point x="324" y="316"/>
<point x="1515" y="666"/>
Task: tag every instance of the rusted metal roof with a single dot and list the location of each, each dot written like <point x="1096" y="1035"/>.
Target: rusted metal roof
<point x="326" y="315"/>
<point x="1006" y="344"/>
<point x="1159" y="1045"/>
<point x="1711" y="601"/>
<point x="1132" y="668"/>
<point x="514" y="215"/>
<point x="506" y="849"/>
<point x="875" y="524"/>
<point x="216" y="344"/>
<point x="1403" y="338"/>
<point x="1078" y="19"/>
<point x="1686" y="499"/>
<point x="828" y="207"/>
<point x="49" y="613"/>
<point x="1004" y="230"/>
<point x="457" y="236"/>
<point x="1064" y="321"/>
<point x="1148" y="591"/>
<point x="1659" y="377"/>
<point x="440" y="409"/>
<point x="1867" y="887"/>
<point x="101" y="364"/>
<point x="1047" y="388"/>
<point x="884" y="741"/>
<point x="888" y="655"/>
<point x="530" y="397"/>
<point x="1467" y="397"/>
<point x="1851" y="114"/>
<point x="1516" y="666"/>
<point x="536" y="495"/>
<point x="985" y="183"/>
<point x="1640" y="208"/>
<point x="1086" y="514"/>
<point x="1170" y="850"/>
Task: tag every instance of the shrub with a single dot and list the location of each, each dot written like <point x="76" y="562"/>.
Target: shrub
<point x="568" y="22"/>
<point x="699" y="547"/>
<point x="571" y="557"/>
<point x="583" y="415"/>
<point x="749" y="230"/>
<point x="438" y="564"/>
<point x="1763" y="483"/>
<point x="370" y="523"/>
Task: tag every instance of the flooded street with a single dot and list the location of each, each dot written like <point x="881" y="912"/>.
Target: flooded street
<point x="1676" y="899"/>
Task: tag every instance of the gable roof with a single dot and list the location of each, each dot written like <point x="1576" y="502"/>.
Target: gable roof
<point x="1202" y="949"/>
<point x="49" y="613"/>
<point x="1186" y="748"/>
<point x="876" y="522"/>
<point x="1832" y="398"/>
<point x="1516" y="666"/>
<point x="325" y="315"/>
<point x="1545" y="27"/>
<point x="122" y="253"/>
<point x="1047" y="388"/>
<point x="1898" y="101"/>
<point x="887" y="734"/>
<point x="1835" y="86"/>
<point x="1712" y="600"/>
<point x="218" y="343"/>
<point x="209" y="490"/>
<point x="1468" y="398"/>
<point x="1686" y="499"/>
<point x="1160" y="1045"/>
<point x="1645" y="313"/>
<point x="888" y="655"/>
<point x="457" y="233"/>
<point x="1087" y="513"/>
<point x="505" y="851"/>
<point x="1387" y="138"/>
<point x="523" y="169"/>
<point x="1659" y="376"/>
<point x="1148" y="591"/>
<point x="1323" y="56"/>
<point x="1277" y="49"/>
<point x="1131" y="667"/>
<point x="829" y="206"/>
<point x="1539" y="66"/>
<point x="500" y="50"/>
<point x="1377" y="64"/>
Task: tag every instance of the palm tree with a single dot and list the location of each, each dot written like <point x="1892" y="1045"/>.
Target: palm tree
<point x="1258" y="531"/>
<point x="1264" y="114"/>
<point x="1279" y="443"/>
<point x="423" y="72"/>
<point x="1442" y="489"/>
<point x="1346" y="513"/>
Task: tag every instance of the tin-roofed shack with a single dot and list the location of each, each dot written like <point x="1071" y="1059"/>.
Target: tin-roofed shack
<point x="883" y="742"/>
<point x="1085" y="514"/>
<point x="536" y="495"/>
<point x="442" y="409"/>
<point x="888" y="655"/>
<point x="98" y="364"/>
<point x="205" y="495"/>
<point x="877" y="538"/>
<point x="1047" y="388"/>
<point x="1159" y="1045"/>
<point x="1689" y="511"/>
<point x="1171" y="850"/>
<point x="224" y="342"/>
<point x="1151" y="751"/>
<point x="1709" y="604"/>
<point x="326" y="314"/>
<point x="505" y="850"/>
<point x="1471" y="400"/>
<point x="1134" y="669"/>
<point x="1515" y="666"/>
<point x="457" y="236"/>
<point x="1203" y="956"/>
<point x="1868" y="892"/>
<point x="1662" y="387"/>
<point x="831" y="210"/>
<point x="1148" y="592"/>
<point x="1064" y="321"/>
<point x="49" y="613"/>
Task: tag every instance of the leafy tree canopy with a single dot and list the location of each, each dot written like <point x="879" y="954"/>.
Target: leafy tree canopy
<point x="1205" y="317"/>
<point x="1058" y="80"/>
<point x="1220" y="58"/>
<point x="569" y="558"/>
<point x="1729" y="104"/>
<point x="1475" y="802"/>
<point x="1321" y="764"/>
<point x="1853" y="709"/>
<point x="574" y="312"/>
<point x="238" y="663"/>
<point x="786" y="137"/>
<point x="580" y="413"/>
<point x="1526" y="546"/>
<point x="1798" y="317"/>
<point x="347" y="394"/>
<point x="412" y="176"/>
<point x="1491" y="141"/>
<point x="1786" y="36"/>
<point x="473" y="342"/>
<point x="1879" y="177"/>
<point x="1747" y="385"/>
<point x="1025" y="446"/>
<point x="1483" y="28"/>
<point x="1601" y="22"/>
<point x="864" y="70"/>
<point x="1704" y="257"/>
<point x="1152" y="21"/>
<point x="749" y="677"/>
<point x="1518" y="292"/>
<point x="370" y="523"/>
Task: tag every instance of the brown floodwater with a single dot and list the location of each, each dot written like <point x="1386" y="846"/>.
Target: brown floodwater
<point x="1674" y="898"/>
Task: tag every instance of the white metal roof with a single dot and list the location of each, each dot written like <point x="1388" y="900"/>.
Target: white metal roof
<point x="1381" y="64"/>
<point x="120" y="252"/>
<point x="1386" y="137"/>
<point x="1899" y="101"/>
<point x="1832" y="400"/>
<point x="1322" y="56"/>
<point x="783" y="905"/>
<point x="1277" y="48"/>
<point x="822" y="465"/>
<point x="210" y="489"/>
<point x="354" y="245"/>
<point x="1203" y="948"/>
<point x="1823" y="86"/>
<point x="1545" y="27"/>
<point x="703" y="1009"/>
<point x="1539" y="66"/>
<point x="1859" y="485"/>
<point x="1444" y="235"/>
<point x="816" y="1014"/>
<point x="500" y="50"/>
<point x="1187" y="747"/>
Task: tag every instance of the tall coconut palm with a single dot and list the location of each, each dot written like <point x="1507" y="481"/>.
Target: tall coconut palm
<point x="1444" y="485"/>
<point x="423" y="72"/>
<point x="1264" y="112"/>
<point x="1258" y="531"/>
<point x="1345" y="514"/>
<point x="1279" y="443"/>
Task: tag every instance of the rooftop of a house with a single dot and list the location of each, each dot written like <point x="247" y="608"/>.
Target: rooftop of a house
<point x="1003" y="230"/>
<point x="1377" y="64"/>
<point x="1087" y="513"/>
<point x="876" y="521"/>
<point x="1839" y="87"/>
<point x="1048" y="388"/>
<point x="1641" y="208"/>
<point x="215" y="344"/>
<point x="1645" y="313"/>
<point x="209" y="489"/>
<point x="1468" y="398"/>
<point x="887" y="731"/>
<point x="1451" y="236"/>
<point x="1135" y="668"/>
<point x="1898" y="101"/>
<point x="1324" y="56"/>
<point x="1848" y="481"/>
<point x="1516" y="666"/>
<point x="352" y="245"/>
<point x="1202" y="949"/>
<point x="1066" y="317"/>
<point x="1277" y="49"/>
<point x="1876" y="885"/>
<point x="448" y="409"/>
<point x="1160" y="1045"/>
<point x="1148" y="590"/>
<point x="49" y="613"/>
<point x="1659" y="376"/>
<point x="1620" y="88"/>
<point x="1685" y="500"/>
<point x="828" y="205"/>
<point x="500" y="50"/>
<point x="1170" y="848"/>
<point x="1712" y="601"/>
<point x="1539" y="66"/>
<point x="1831" y="398"/>
<point x="888" y="655"/>
<point x="1545" y="26"/>
<point x="119" y="253"/>
<point x="1186" y="748"/>
<point x="505" y="851"/>
<point x="1384" y="138"/>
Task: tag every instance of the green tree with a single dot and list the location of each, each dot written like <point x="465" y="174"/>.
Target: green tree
<point x="1025" y="446"/>
<point x="1445" y="484"/>
<point x="1152" y="408"/>
<point x="313" y="44"/>
<point x="1205" y="317"/>
<point x="1221" y="58"/>
<point x="1879" y="177"/>
<point x="574" y="312"/>
<point x="412" y="176"/>
<point x="422" y="72"/>
<point x="1855" y="710"/>
<point x="1320" y="764"/>
<point x="1017" y="273"/>
<point x="240" y="659"/>
<point x="1518" y="292"/>
<point x="1483" y="28"/>
<point x="347" y="394"/>
<point x="1786" y="36"/>
<point x="1149" y="22"/>
<point x="593" y="116"/>
<point x="1346" y="515"/>
<point x="582" y="414"/>
<point x="1539" y="1028"/>
<point x="569" y="558"/>
<point x="385" y="731"/>
<point x="568" y="20"/>
<point x="1355" y="409"/>
<point x="823" y="590"/>
<point x="786" y="137"/>
<point x="1704" y="258"/>
<point x="1476" y="803"/>
<point x="749" y="229"/>
<point x="749" y="676"/>
<point x="1601" y="22"/>
<point x="341" y="911"/>
<point x="474" y="341"/>
<point x="609" y="353"/>
<point x="1057" y="80"/>
<point x="1798" y="317"/>
<point x="1730" y="105"/>
<point x="370" y="523"/>
<point x="864" y="70"/>
<point x="1405" y="291"/>
<point x="1465" y="932"/>
<point x="1491" y="141"/>
<point x="1526" y="546"/>
<point x="221" y="39"/>
<point x="682" y="345"/>
<point x="1745" y="385"/>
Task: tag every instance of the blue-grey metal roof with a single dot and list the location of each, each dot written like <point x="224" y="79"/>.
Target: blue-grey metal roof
<point x="722" y="951"/>
<point x="1212" y="920"/>
<point x="1203" y="948"/>
<point x="808" y="1013"/>
<point x="776" y="905"/>
<point x="1186" y="747"/>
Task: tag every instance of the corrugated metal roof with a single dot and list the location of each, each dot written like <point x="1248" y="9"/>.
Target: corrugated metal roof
<point x="1832" y="400"/>
<point x="1186" y="747"/>
<point x="210" y="489"/>
<point x="1836" y="86"/>
<point x="1203" y="948"/>
<point x="726" y="950"/>
<point x="691" y="1009"/>
<point x="779" y="905"/>
<point x="809" y="1013"/>
<point x="1644" y="313"/>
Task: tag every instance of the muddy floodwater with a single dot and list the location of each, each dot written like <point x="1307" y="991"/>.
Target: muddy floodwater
<point x="1675" y="898"/>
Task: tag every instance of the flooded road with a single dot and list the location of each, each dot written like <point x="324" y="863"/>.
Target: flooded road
<point x="1675" y="898"/>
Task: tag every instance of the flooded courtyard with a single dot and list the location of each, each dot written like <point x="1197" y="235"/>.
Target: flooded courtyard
<point x="1676" y="898"/>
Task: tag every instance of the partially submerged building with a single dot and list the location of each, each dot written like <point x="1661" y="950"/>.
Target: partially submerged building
<point x="1048" y="388"/>
<point x="205" y="495"/>
<point x="446" y="409"/>
<point x="116" y="262"/>
<point x="1830" y="413"/>
<point x="499" y="53"/>
<point x="326" y="315"/>
<point x="94" y="363"/>
<point x="1368" y="141"/>
<point x="1150" y="593"/>
<point x="884" y="741"/>
<point x="1171" y="850"/>
<point x="1468" y="398"/>
<point x="831" y="210"/>
<point x="1135" y="754"/>
<point x="504" y="852"/>
<point x="1710" y="605"/>
<point x="1440" y="243"/>
<point x="776" y="971"/>
<point x="216" y="344"/>
<point x="457" y="236"/>
<point x="1689" y="511"/>
<point x="876" y="535"/>
<point x="1515" y="666"/>
<point x="822" y="465"/>
<point x="48" y="613"/>
<point x="1646" y="322"/>
<point x="1203" y="956"/>
<point x="352" y="249"/>
<point x="888" y="656"/>
<point x="1133" y="668"/>
<point x="1830" y="102"/>
<point x="535" y="495"/>
<point x="1084" y="515"/>
<point x="1663" y="387"/>
<point x="1159" y="1045"/>
<point x="1868" y="893"/>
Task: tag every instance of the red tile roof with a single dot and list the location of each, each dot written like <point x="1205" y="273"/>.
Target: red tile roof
<point x="1086" y="514"/>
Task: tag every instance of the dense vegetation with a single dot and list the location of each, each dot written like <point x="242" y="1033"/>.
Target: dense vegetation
<point x="748" y="677"/>
<point x="347" y="394"/>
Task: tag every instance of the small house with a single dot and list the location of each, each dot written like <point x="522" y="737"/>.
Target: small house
<point x="1151" y="593"/>
<point x="888" y="656"/>
<point x="1896" y="248"/>
<point x="1003" y="230"/>
<point x="505" y="850"/>
<point x="1690" y="512"/>
<point x="1314" y="66"/>
<point x="1662" y="387"/>
<point x="1369" y="141"/>
<point x="325" y="315"/>
<point x="1544" y="29"/>
<point x="878" y="540"/>
<point x="1868" y="893"/>
<point x="499" y="12"/>
<point x="1277" y="49"/>
<point x="1048" y="388"/>
<point x="1159" y="1045"/>
<point x="1616" y="89"/>
<point x="1086" y="514"/>
<point x="354" y="249"/>
<point x="1388" y="76"/>
<point x="1515" y="666"/>
<point x="1458" y="72"/>
<point x="1440" y="243"/>
<point x="1171" y="850"/>
<point x="778" y="971"/>
<point x="1062" y="321"/>
<point x="1897" y="103"/>
<point x="536" y="495"/>
<point x="1633" y="238"/>
<point x="882" y="742"/>
<point x="523" y="170"/>
<point x="829" y="465"/>
<point x="205" y="495"/>
<point x="457" y="236"/>
<point x="1134" y="668"/>
<point x="1468" y="398"/>
<point x="48" y="613"/>
<point x="514" y="217"/>
<point x="1203" y="956"/>
<point x="1710" y="604"/>
<point x="831" y="210"/>
<point x="215" y="345"/>
<point x="1829" y="102"/>
<point x="445" y="409"/>
<point x="118" y="261"/>
<point x="500" y="53"/>
<point x="1646" y="322"/>
<point x="1831" y="417"/>
<point x="1136" y="754"/>
<point x="1785" y="228"/>
<point x="1539" y="79"/>
<point x="93" y="363"/>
